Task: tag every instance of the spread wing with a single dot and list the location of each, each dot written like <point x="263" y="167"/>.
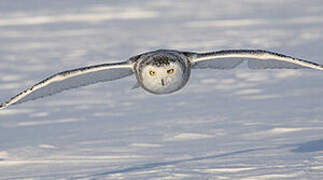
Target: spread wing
<point x="256" y="59"/>
<point x="72" y="79"/>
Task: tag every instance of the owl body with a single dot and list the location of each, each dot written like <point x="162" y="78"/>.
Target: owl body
<point x="162" y="71"/>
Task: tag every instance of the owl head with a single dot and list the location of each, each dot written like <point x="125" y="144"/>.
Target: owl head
<point x="162" y="73"/>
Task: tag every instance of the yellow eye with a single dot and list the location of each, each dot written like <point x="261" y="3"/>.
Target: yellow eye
<point x="170" y="71"/>
<point x="152" y="73"/>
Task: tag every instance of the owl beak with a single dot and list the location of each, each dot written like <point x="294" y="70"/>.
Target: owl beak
<point x="163" y="82"/>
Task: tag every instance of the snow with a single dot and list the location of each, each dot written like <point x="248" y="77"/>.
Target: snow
<point x="225" y="124"/>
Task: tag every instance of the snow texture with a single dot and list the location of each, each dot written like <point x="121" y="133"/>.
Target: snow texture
<point x="225" y="124"/>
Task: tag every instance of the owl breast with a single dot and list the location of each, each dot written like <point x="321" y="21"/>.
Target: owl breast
<point x="162" y="72"/>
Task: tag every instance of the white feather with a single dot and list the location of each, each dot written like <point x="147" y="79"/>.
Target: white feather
<point x="257" y="59"/>
<point x="72" y="79"/>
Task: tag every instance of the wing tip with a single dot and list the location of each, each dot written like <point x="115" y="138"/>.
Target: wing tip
<point x="3" y="106"/>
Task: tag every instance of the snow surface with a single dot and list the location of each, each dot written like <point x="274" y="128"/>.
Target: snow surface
<point x="232" y="124"/>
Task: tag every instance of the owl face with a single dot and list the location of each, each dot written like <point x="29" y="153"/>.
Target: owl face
<point x="163" y="75"/>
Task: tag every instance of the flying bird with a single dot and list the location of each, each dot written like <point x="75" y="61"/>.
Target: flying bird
<point x="159" y="72"/>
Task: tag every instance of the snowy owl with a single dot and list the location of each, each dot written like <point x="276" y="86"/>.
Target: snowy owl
<point x="159" y="72"/>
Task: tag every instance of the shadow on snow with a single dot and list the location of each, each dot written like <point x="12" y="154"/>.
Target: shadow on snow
<point x="311" y="146"/>
<point x="160" y="164"/>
